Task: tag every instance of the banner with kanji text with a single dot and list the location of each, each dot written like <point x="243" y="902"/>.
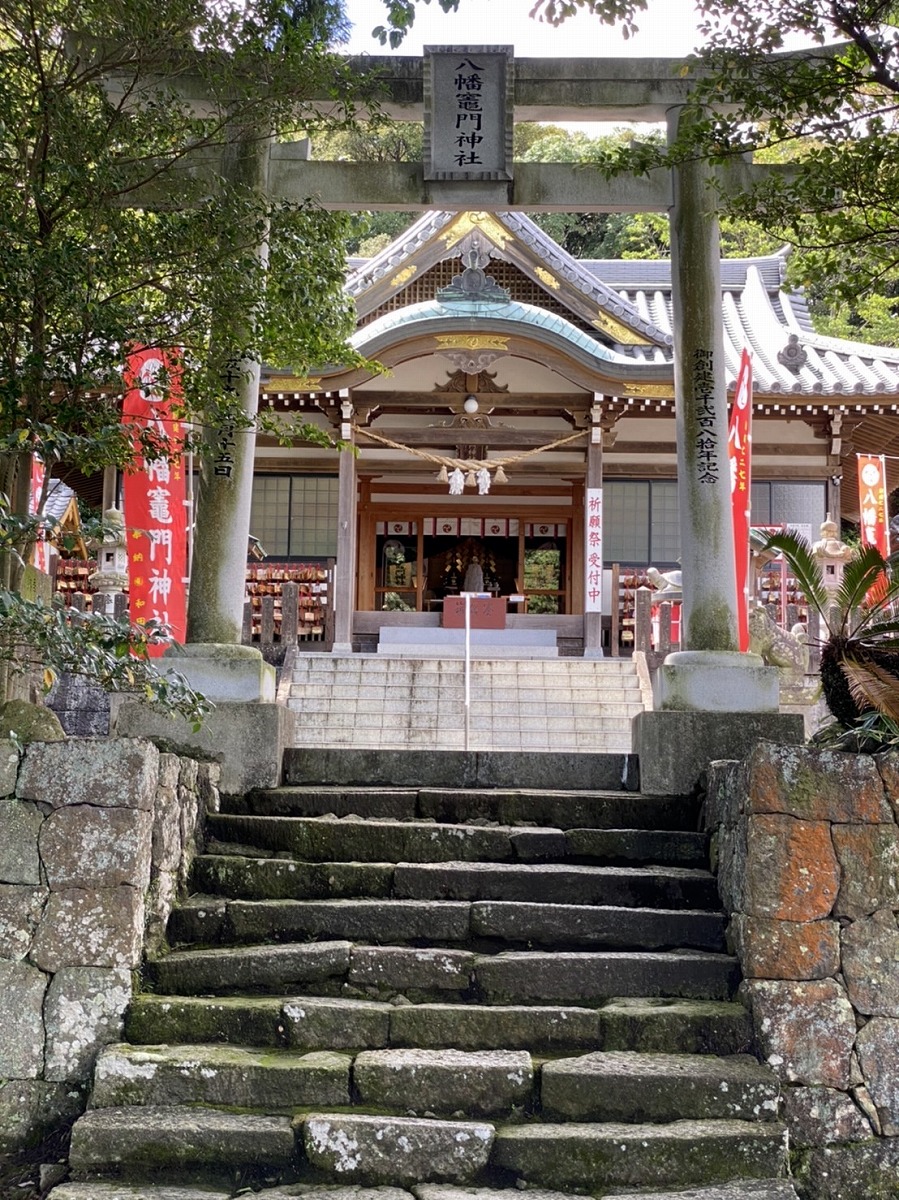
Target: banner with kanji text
<point x="155" y="497"/>
<point x="873" y="516"/>
<point x="739" y="450"/>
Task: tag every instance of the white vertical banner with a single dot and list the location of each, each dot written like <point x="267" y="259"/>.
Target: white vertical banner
<point x="593" y="551"/>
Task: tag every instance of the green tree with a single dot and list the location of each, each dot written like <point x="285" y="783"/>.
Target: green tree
<point x="117" y="228"/>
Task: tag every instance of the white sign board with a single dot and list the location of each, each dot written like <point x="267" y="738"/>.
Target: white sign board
<point x="593" y="551"/>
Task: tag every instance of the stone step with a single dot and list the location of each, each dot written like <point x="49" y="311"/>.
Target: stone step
<point x="744" y="1189"/>
<point x="223" y="1076"/>
<point x="181" y="1140"/>
<point x="624" y="1086"/>
<point x="557" y="809"/>
<point x="747" y="1189"/>
<point x="233" y="873"/>
<point x="213" y="919"/>
<point x="478" y="1083"/>
<point x="358" y="840"/>
<point x="337" y="1023"/>
<point x="395" y="1150"/>
<point x="565" y="977"/>
<point x="562" y="925"/>
<point x="508" y="977"/>
<point x="432" y="767"/>
<point x="551" y="883"/>
<point x="599" y="1156"/>
<point x="254" y="968"/>
<point x="318" y="839"/>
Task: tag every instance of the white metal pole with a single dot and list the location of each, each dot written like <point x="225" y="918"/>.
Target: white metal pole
<point x="467" y="596"/>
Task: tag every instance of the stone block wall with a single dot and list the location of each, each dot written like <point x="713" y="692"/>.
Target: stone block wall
<point x="96" y="840"/>
<point x="806" y="844"/>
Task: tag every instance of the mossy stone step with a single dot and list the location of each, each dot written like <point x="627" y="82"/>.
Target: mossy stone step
<point x="675" y="847"/>
<point x="625" y="1086"/>
<point x="234" y="874"/>
<point x="742" y="1189"/>
<point x="209" y="919"/>
<point x="353" y="839"/>
<point x="177" y="1138"/>
<point x="257" y="968"/>
<point x="478" y="1083"/>
<point x="395" y="1149"/>
<point x="319" y="839"/>
<point x="225" y="1076"/>
<point x="597" y="925"/>
<point x="683" y="1153"/>
<point x="123" y="1191"/>
<point x="428" y="922"/>
<point x="568" y="976"/>
<point x="316" y="1022"/>
<point x="557" y="883"/>
<point x="562" y="809"/>
<point x="401" y="804"/>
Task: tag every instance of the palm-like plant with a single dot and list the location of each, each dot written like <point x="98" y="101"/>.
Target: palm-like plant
<point x="859" y="636"/>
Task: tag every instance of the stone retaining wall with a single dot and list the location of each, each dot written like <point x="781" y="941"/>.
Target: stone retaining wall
<point x="96" y="839"/>
<point x="807" y="849"/>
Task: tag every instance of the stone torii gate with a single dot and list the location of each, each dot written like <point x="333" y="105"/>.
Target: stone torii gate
<point x="708" y="677"/>
<point x="708" y="673"/>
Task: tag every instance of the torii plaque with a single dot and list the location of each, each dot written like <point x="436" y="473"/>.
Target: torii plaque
<point x="468" y="112"/>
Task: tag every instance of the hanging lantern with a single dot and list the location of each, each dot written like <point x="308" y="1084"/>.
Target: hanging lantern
<point x="471" y="480"/>
<point x="442" y="476"/>
<point x="500" y="476"/>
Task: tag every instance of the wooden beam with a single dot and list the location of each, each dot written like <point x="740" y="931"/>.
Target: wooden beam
<point x="500" y="439"/>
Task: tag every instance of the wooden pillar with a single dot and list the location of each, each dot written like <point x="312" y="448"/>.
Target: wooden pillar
<point x="593" y="556"/>
<point x="345" y="572"/>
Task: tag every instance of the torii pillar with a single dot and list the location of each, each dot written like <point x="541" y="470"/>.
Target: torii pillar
<point x="711" y="700"/>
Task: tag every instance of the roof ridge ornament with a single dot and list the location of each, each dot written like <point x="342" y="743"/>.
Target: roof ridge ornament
<point x="793" y="356"/>
<point x="474" y="285"/>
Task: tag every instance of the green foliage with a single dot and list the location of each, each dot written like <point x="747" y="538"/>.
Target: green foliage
<point x="860" y="635"/>
<point x="401" y="14"/>
<point x="111" y="652"/>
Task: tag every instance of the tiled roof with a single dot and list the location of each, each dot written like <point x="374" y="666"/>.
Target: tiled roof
<point x="790" y="359"/>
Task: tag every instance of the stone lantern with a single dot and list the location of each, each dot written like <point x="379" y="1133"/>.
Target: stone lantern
<point x="111" y="577"/>
<point x="832" y="554"/>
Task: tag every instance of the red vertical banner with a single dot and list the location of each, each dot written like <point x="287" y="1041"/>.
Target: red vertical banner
<point x="155" y="497"/>
<point x="41" y="554"/>
<point x="873" y="515"/>
<point x="739" y="450"/>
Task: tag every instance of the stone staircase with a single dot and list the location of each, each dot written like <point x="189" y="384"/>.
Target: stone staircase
<point x="451" y="992"/>
<point x="397" y="702"/>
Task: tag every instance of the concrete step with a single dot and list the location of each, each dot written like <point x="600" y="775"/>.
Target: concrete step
<point x="316" y="1022"/>
<point x="220" y="1076"/>
<point x="566" y="977"/>
<point x="559" y="809"/>
<point x="478" y="1083"/>
<point x="680" y="1154"/>
<point x="551" y="883"/>
<point x="178" y="1140"/>
<point x="624" y="1086"/>
<point x="331" y="839"/>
